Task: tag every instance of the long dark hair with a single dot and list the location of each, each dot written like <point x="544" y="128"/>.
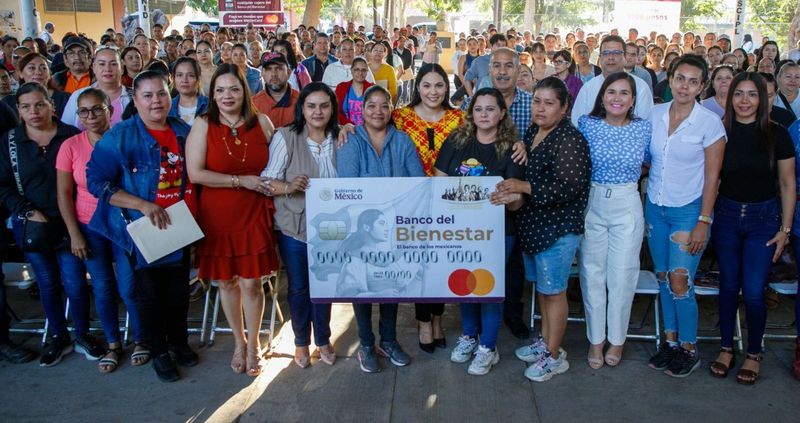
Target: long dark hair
<point x="506" y="130"/>
<point x="763" y="125"/>
<point x="567" y="58"/>
<point x="424" y="70"/>
<point x="300" y="120"/>
<point x="291" y="55"/>
<point x="559" y="88"/>
<point x="599" y="109"/>
<point x="710" y="91"/>
<point x="760" y="54"/>
<point x="249" y="111"/>
<point x="746" y="64"/>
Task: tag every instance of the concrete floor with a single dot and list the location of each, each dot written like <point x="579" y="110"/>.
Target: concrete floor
<point x="430" y="389"/>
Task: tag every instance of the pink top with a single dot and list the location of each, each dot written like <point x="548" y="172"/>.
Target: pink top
<point x="73" y="156"/>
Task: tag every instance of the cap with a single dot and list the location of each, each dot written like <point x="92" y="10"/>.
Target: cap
<point x="73" y="41"/>
<point x="273" y="58"/>
<point x="724" y="37"/>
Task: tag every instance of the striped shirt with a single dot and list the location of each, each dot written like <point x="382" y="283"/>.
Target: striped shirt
<point x="279" y="159"/>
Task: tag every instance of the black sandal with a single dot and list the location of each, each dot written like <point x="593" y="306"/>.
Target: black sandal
<point x="720" y="369"/>
<point x="749" y="377"/>
<point x="110" y="360"/>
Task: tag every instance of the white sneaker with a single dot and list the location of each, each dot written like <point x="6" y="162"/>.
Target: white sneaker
<point x="544" y="369"/>
<point x="534" y="352"/>
<point x="464" y="349"/>
<point x="483" y="361"/>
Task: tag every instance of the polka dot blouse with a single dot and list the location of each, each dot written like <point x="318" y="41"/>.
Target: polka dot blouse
<point x="559" y="170"/>
<point x="617" y="151"/>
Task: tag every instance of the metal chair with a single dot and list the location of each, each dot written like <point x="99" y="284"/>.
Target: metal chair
<point x="788" y="288"/>
<point x="648" y="285"/>
<point x="714" y="292"/>
<point x="20" y="275"/>
<point x="272" y="282"/>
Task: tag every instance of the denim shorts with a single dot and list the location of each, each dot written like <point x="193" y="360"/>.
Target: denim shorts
<point x="550" y="269"/>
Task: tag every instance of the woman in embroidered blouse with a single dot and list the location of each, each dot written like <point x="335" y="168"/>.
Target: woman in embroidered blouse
<point x="609" y="253"/>
<point x="428" y="120"/>
<point x="314" y="131"/>
<point x="687" y="147"/>
<point x="717" y="91"/>
<point x="550" y="218"/>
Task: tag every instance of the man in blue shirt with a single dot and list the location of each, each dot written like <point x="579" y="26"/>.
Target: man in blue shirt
<point x="317" y="63"/>
<point x="479" y="69"/>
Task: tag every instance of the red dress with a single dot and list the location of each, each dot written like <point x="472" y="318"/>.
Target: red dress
<point x="237" y="223"/>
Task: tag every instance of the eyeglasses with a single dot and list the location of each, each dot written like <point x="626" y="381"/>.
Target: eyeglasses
<point x="559" y="62"/>
<point x="612" y="53"/>
<point x="96" y="111"/>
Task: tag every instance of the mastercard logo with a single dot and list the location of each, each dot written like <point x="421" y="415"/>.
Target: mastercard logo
<point x="462" y="282"/>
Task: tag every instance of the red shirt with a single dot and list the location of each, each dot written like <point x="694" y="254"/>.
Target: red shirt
<point x="170" y="178"/>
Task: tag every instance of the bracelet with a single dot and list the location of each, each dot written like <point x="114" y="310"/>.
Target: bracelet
<point x="237" y="183"/>
<point x="286" y="191"/>
<point x="705" y="219"/>
<point x="785" y="230"/>
<point x="233" y="182"/>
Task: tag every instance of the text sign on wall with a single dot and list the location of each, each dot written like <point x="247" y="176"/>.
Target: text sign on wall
<point x="256" y="12"/>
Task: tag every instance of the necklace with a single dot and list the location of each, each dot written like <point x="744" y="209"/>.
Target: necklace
<point x="237" y="141"/>
<point x="234" y="131"/>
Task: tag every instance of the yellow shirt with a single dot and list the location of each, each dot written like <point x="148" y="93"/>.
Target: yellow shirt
<point x="387" y="78"/>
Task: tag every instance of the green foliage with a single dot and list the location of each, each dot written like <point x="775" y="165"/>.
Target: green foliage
<point x="348" y="9"/>
<point x="772" y="17"/>
<point x="209" y="7"/>
<point x="549" y="13"/>
<point x="438" y="9"/>
<point x="692" y="11"/>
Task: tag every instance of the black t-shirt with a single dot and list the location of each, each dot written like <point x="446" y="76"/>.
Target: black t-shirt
<point x="477" y="159"/>
<point x="746" y="174"/>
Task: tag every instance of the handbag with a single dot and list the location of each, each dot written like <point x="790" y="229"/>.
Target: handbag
<point x="37" y="237"/>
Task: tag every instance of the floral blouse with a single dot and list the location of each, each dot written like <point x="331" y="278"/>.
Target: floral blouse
<point x="428" y="137"/>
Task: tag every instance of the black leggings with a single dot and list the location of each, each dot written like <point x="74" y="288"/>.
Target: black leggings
<point x="426" y="311"/>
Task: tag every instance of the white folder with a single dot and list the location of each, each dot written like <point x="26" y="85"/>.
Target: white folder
<point x="156" y="243"/>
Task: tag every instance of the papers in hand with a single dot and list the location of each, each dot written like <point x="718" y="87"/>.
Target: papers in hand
<point x="155" y="243"/>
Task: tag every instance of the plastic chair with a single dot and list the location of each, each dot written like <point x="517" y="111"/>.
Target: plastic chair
<point x="788" y="288"/>
<point x="272" y="282"/>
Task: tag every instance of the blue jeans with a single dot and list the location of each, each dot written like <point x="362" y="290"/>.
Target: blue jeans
<point x="663" y="225"/>
<point x="54" y="271"/>
<point x="485" y="317"/>
<point x="740" y="234"/>
<point x="795" y="237"/>
<point x="303" y="311"/>
<point x="106" y="286"/>
<point x="550" y="268"/>
<point x="387" y="323"/>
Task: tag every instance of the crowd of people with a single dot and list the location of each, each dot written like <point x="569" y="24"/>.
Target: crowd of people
<point x="234" y="123"/>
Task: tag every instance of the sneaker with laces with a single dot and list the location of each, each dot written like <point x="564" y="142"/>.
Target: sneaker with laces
<point x="464" y="349"/>
<point x="483" y="361"/>
<point x="666" y="353"/>
<point x="394" y="353"/>
<point x="534" y="352"/>
<point x="368" y="359"/>
<point x="55" y="350"/>
<point x="89" y="347"/>
<point x="684" y="363"/>
<point x="544" y="369"/>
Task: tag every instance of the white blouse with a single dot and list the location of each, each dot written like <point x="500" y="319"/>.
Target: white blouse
<point x="677" y="168"/>
<point x="279" y="157"/>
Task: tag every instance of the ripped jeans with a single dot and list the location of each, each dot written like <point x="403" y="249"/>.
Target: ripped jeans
<point x="668" y="230"/>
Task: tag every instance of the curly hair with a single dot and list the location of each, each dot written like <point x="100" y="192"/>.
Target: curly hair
<point x="506" y="130"/>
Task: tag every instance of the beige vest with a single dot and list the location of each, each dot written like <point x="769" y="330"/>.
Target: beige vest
<point x="290" y="213"/>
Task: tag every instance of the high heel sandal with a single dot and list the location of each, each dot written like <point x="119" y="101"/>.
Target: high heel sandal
<point x="719" y="369"/>
<point x="254" y="368"/>
<point x="614" y="359"/>
<point x="239" y="360"/>
<point x="746" y="376"/>
<point x="596" y="362"/>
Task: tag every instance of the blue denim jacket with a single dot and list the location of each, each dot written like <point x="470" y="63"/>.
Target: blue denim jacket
<point x="202" y="105"/>
<point x="358" y="159"/>
<point x="254" y="80"/>
<point x="128" y="158"/>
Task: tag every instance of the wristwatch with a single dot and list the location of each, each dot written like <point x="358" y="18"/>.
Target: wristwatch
<point x="786" y="230"/>
<point x="29" y="214"/>
<point x="705" y="219"/>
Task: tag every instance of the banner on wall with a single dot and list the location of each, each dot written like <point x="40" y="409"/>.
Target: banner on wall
<point x="662" y="16"/>
<point x="405" y="240"/>
<point x="257" y="12"/>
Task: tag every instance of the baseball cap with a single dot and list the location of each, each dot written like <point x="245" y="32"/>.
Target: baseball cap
<point x="76" y="41"/>
<point x="273" y="58"/>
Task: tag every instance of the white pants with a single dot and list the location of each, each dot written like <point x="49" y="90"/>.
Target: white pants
<point x="609" y="260"/>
